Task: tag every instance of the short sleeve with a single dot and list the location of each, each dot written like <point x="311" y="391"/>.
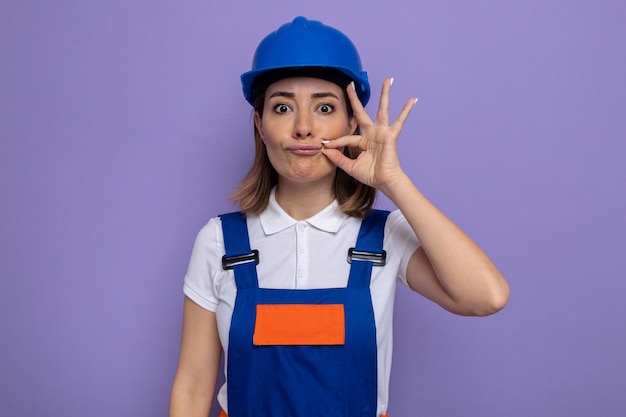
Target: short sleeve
<point x="400" y="238"/>
<point x="201" y="284"/>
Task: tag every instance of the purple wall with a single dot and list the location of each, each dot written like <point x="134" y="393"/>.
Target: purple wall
<point x="123" y="129"/>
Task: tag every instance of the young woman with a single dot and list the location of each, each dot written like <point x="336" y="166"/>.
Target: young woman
<point x="297" y="289"/>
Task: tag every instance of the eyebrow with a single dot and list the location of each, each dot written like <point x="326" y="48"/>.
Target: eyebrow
<point x="292" y="95"/>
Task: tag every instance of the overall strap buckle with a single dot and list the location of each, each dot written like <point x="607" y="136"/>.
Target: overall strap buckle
<point x="229" y="262"/>
<point x="376" y="258"/>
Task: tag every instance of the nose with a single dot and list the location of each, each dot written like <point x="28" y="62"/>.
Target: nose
<point x="303" y="125"/>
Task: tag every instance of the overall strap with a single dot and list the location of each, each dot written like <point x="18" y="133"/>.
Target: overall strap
<point x="239" y="256"/>
<point x="368" y="251"/>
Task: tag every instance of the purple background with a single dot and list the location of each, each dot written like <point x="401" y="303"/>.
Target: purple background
<point x="123" y="129"/>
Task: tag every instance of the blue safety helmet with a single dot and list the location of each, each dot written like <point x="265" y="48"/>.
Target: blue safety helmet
<point x="305" y="48"/>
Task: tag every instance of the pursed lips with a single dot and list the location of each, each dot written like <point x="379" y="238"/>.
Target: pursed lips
<point x="302" y="149"/>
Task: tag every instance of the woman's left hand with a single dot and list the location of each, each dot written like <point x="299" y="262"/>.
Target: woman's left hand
<point x="378" y="164"/>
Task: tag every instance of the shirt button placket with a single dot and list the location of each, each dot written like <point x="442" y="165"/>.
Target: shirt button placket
<point x="301" y="251"/>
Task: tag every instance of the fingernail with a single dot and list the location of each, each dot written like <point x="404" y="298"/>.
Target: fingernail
<point x="325" y="142"/>
<point x="415" y="100"/>
<point x="352" y="85"/>
<point x="390" y="81"/>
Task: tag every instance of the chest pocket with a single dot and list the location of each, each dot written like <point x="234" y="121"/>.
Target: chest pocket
<point x="299" y="324"/>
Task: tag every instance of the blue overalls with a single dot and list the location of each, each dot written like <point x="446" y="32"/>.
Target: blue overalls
<point x="302" y="353"/>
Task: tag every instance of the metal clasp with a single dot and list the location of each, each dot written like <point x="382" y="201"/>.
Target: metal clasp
<point x="231" y="261"/>
<point x="377" y="259"/>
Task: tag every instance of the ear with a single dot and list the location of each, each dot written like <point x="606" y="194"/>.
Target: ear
<point x="353" y="124"/>
<point x="258" y="124"/>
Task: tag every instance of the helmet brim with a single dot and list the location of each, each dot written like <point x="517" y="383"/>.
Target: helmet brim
<point x="256" y="81"/>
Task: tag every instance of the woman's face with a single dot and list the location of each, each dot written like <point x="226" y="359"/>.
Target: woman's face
<point x="298" y="114"/>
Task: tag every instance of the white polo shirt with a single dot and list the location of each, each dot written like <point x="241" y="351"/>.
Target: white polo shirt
<point x="304" y="254"/>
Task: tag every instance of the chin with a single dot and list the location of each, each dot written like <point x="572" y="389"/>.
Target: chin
<point x="311" y="177"/>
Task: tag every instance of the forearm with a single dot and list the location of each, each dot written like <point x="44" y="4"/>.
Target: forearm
<point x="186" y="402"/>
<point x="466" y="274"/>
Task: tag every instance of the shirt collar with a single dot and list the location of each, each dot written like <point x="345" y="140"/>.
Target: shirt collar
<point x="274" y="219"/>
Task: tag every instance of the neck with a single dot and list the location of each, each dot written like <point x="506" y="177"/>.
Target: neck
<point x="302" y="201"/>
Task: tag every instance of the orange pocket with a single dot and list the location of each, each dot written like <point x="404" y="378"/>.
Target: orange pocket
<point x="299" y="324"/>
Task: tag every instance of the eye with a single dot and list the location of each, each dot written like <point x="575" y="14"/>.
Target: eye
<point x="326" y="108"/>
<point x="281" y="108"/>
